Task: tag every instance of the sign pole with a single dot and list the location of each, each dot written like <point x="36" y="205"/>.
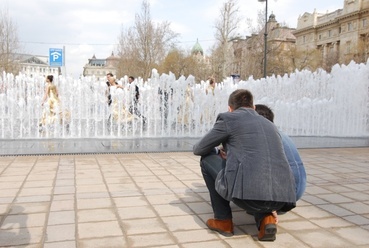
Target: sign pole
<point x="64" y="70"/>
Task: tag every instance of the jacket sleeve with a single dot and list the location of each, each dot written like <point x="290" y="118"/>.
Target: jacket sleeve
<point x="218" y="134"/>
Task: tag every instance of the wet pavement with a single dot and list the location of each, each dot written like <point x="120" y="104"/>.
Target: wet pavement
<point x="129" y="196"/>
<point x="113" y="145"/>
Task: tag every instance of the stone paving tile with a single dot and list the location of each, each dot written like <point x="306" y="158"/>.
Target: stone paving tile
<point x="242" y="242"/>
<point x="131" y="201"/>
<point x="356" y="235"/>
<point x="61" y="217"/>
<point x="111" y="242"/>
<point x="99" y="229"/>
<point x="309" y="212"/>
<point x="151" y="240"/>
<point x="63" y="244"/>
<point x="60" y="233"/>
<point x="62" y="205"/>
<point x="172" y="209"/>
<point x="21" y="236"/>
<point x="323" y="239"/>
<point x="94" y="203"/>
<point x="36" y="199"/>
<point x="142" y="226"/>
<point x="212" y="244"/>
<point x="335" y="198"/>
<point x="94" y="215"/>
<point x="8" y="192"/>
<point x="35" y="191"/>
<point x="160" y="199"/>
<point x="336" y="210"/>
<point x="331" y="222"/>
<point x="23" y="221"/>
<point x="357" y="219"/>
<point x="136" y="212"/>
<point x="183" y="223"/>
<point x="356" y="207"/>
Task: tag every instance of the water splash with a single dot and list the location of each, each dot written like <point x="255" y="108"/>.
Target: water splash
<point x="305" y="104"/>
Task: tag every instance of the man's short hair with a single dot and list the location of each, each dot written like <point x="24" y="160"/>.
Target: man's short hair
<point x="131" y="77"/>
<point x="110" y="74"/>
<point x="265" y="111"/>
<point x="241" y="98"/>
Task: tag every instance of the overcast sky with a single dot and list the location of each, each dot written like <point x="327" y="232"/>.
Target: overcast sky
<point x="88" y="27"/>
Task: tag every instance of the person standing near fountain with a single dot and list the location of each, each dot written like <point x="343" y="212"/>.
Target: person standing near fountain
<point x="49" y="113"/>
<point x="133" y="109"/>
<point x="256" y="175"/>
<point x="291" y="152"/>
<point x="211" y="86"/>
<point x="110" y="82"/>
<point x="118" y="111"/>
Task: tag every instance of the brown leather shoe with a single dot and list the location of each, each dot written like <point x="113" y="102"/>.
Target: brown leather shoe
<point x="268" y="228"/>
<point x="224" y="227"/>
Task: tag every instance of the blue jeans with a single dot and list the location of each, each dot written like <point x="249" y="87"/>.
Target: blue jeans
<point x="296" y="165"/>
<point x="211" y="165"/>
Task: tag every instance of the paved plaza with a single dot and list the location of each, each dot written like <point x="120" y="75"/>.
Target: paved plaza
<point x="160" y="200"/>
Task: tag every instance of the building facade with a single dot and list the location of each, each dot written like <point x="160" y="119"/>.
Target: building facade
<point x="100" y="67"/>
<point x="32" y="65"/>
<point x="248" y="53"/>
<point x="340" y="36"/>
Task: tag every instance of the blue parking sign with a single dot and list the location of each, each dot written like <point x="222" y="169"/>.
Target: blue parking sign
<point x="56" y="57"/>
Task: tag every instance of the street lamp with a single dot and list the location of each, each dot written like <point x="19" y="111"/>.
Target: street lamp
<point x="265" y="35"/>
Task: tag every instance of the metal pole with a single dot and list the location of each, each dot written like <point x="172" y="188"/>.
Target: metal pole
<point x="265" y="37"/>
<point x="64" y="70"/>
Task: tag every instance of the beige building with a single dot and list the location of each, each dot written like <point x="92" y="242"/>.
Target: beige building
<point x="341" y="36"/>
<point x="32" y="65"/>
<point x="249" y="52"/>
<point x="100" y="67"/>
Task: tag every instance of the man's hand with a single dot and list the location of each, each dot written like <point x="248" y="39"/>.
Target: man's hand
<point x="223" y="153"/>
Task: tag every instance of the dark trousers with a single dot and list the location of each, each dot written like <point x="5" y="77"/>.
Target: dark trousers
<point x="134" y="110"/>
<point x="211" y="165"/>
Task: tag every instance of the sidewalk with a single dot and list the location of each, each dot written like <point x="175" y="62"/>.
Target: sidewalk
<point x="160" y="200"/>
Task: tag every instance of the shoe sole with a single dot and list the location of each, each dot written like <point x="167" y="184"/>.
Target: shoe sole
<point x="270" y="233"/>
<point x="227" y="234"/>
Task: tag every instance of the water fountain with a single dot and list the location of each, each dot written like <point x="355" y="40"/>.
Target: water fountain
<point x="305" y="104"/>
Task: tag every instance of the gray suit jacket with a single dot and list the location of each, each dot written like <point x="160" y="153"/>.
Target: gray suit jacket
<point x="256" y="167"/>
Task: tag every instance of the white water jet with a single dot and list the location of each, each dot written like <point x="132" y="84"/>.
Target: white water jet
<point x="305" y="104"/>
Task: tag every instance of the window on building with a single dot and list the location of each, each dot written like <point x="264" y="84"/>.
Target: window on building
<point x="348" y="47"/>
<point x="365" y="22"/>
<point x="349" y="26"/>
<point x="320" y="37"/>
<point x="339" y="30"/>
<point x="329" y="33"/>
<point x="303" y="39"/>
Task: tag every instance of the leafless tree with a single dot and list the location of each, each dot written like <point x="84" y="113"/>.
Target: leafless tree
<point x="9" y="44"/>
<point x="144" y="46"/>
<point x="309" y="59"/>
<point x="226" y="27"/>
<point x="184" y="63"/>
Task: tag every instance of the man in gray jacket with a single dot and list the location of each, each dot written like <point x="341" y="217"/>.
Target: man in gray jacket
<point x="255" y="176"/>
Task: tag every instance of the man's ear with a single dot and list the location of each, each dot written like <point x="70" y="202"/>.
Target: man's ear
<point x="230" y="109"/>
<point x="254" y="107"/>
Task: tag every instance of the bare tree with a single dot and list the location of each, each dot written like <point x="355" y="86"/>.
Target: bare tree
<point x="144" y="46"/>
<point x="310" y="59"/>
<point x="9" y="44"/>
<point x="260" y="23"/>
<point x="225" y="29"/>
<point x="362" y="49"/>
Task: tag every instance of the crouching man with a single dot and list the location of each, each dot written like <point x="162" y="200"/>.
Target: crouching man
<point x="255" y="174"/>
